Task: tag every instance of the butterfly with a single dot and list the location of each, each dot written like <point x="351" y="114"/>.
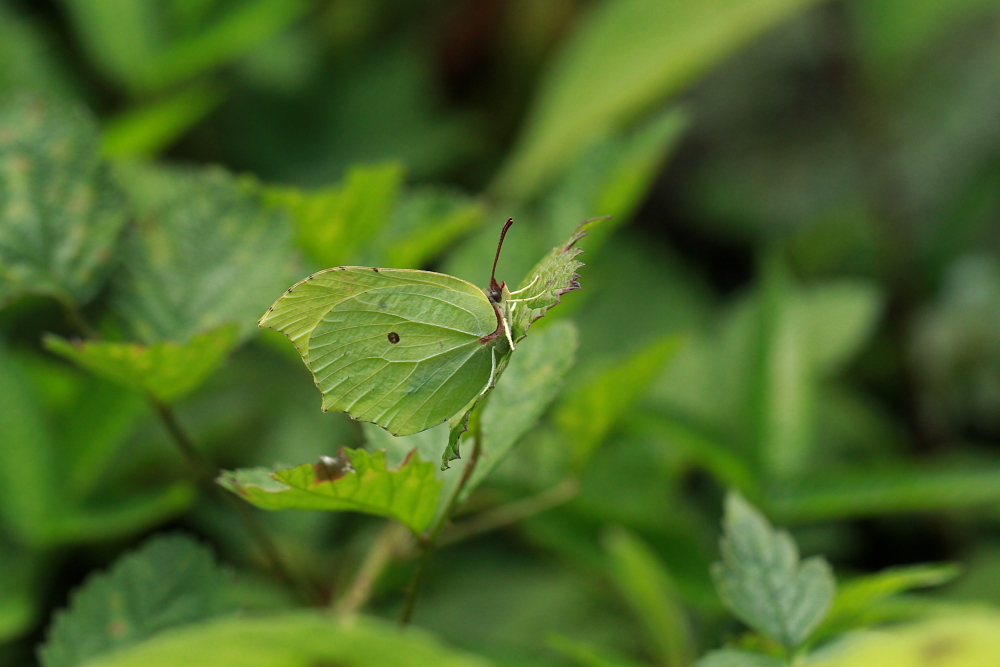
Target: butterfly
<point x="409" y="349"/>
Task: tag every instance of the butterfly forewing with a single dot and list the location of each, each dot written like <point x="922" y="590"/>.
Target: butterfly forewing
<point x="399" y="348"/>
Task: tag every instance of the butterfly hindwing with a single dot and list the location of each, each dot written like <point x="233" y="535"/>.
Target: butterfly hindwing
<point x="401" y="348"/>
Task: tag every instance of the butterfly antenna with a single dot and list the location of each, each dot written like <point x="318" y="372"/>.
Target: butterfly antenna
<point x="494" y="287"/>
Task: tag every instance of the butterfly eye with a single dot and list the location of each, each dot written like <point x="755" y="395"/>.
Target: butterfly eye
<point x="393" y="337"/>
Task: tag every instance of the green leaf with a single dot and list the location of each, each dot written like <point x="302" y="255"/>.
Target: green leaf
<point x="585" y="655"/>
<point x="612" y="177"/>
<point x="424" y="223"/>
<point x="591" y="410"/>
<point x="166" y="371"/>
<point x="146" y="130"/>
<point x="880" y="490"/>
<point x="29" y="499"/>
<point x="859" y="595"/>
<point x="424" y="344"/>
<point x="649" y="590"/>
<point x="840" y="316"/>
<point x="137" y="512"/>
<point x="354" y="481"/>
<point x="168" y="582"/>
<point x="27" y="61"/>
<point x="335" y="224"/>
<point x="623" y="57"/>
<point x="545" y="284"/>
<point x="730" y="657"/>
<point x="203" y="253"/>
<point x="969" y="639"/>
<point x="531" y="381"/>
<point x="19" y="590"/>
<point x="291" y="638"/>
<point x="761" y="580"/>
<point x="60" y="214"/>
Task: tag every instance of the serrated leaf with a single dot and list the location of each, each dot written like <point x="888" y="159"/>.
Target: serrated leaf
<point x="545" y="284"/>
<point x="203" y="253"/>
<point x="353" y="481"/>
<point x="590" y="410"/>
<point x="60" y="213"/>
<point x="531" y="381"/>
<point x="166" y="371"/>
<point x="859" y="595"/>
<point x="335" y="224"/>
<point x="650" y="592"/>
<point x="761" y="580"/>
<point x="730" y="657"/>
<point x="168" y="582"/>
<point x="291" y="638"/>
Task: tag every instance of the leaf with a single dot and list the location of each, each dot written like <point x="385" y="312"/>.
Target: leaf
<point x="147" y="129"/>
<point x="859" y="595"/>
<point x="589" y="412"/>
<point x="169" y="581"/>
<point x="621" y="60"/>
<point x="60" y="213"/>
<point x="335" y="224"/>
<point x="612" y="177"/>
<point x="87" y="524"/>
<point x="545" y="284"/>
<point x="203" y="253"/>
<point x="425" y="344"/>
<point x="840" y="317"/>
<point x="761" y="580"/>
<point x="649" y="590"/>
<point x="166" y="371"/>
<point x="885" y="489"/>
<point x="19" y="590"/>
<point x="27" y="60"/>
<point x="584" y="655"/>
<point x="424" y="223"/>
<point x="29" y="499"/>
<point x="970" y="639"/>
<point x="531" y="381"/>
<point x="729" y="657"/>
<point x="354" y="481"/>
<point x="291" y="638"/>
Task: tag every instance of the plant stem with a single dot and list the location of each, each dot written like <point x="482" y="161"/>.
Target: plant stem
<point x="428" y="541"/>
<point x="511" y="513"/>
<point x="203" y="473"/>
<point x="381" y="552"/>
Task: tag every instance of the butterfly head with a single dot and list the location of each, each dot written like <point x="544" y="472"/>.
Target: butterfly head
<point x="495" y="291"/>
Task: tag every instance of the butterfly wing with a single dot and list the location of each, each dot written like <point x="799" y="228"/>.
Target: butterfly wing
<point x="401" y="348"/>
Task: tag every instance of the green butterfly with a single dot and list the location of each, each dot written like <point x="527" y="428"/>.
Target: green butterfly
<point x="409" y="349"/>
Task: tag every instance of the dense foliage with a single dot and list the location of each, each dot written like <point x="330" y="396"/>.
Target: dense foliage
<point x="764" y="430"/>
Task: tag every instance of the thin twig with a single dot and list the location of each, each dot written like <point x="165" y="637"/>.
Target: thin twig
<point x="386" y="545"/>
<point x="429" y="540"/>
<point x="511" y="513"/>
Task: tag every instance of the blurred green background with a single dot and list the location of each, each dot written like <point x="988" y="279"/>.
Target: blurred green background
<point x="798" y="296"/>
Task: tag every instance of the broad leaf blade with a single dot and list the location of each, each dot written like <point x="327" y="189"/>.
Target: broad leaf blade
<point x="358" y="482"/>
<point x="60" y="213"/>
<point x="169" y="581"/>
<point x="203" y="253"/>
<point x="166" y="371"/>
<point x="335" y="224"/>
<point x="545" y="284"/>
<point x="762" y="581"/>
<point x="291" y="638"/>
